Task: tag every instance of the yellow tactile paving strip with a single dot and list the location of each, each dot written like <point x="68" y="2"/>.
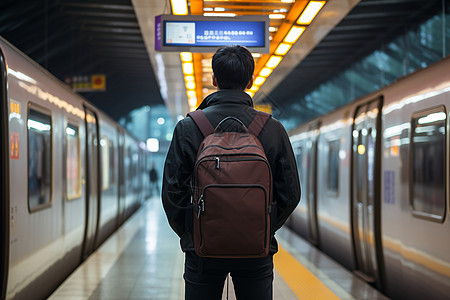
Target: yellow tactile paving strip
<point x="302" y="282"/>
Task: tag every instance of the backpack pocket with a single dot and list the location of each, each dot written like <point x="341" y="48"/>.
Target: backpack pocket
<point x="232" y="220"/>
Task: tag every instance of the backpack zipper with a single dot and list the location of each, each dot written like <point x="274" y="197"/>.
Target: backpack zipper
<point x="201" y="206"/>
<point x="217" y="161"/>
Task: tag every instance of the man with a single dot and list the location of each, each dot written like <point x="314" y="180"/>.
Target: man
<point x="233" y="68"/>
<point x="153" y="179"/>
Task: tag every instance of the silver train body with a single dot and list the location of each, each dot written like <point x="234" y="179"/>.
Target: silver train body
<point x="375" y="185"/>
<point x="69" y="177"/>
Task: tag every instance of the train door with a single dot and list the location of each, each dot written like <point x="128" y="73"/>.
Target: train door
<point x="121" y="199"/>
<point x="4" y="179"/>
<point x="366" y="206"/>
<point x="92" y="182"/>
<point x="311" y="175"/>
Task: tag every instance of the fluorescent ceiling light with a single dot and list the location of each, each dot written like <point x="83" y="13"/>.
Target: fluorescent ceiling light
<point x="188" y="68"/>
<point x="273" y="61"/>
<point x="179" y="7"/>
<point x="311" y="10"/>
<point x="265" y="72"/>
<point x="189" y="78"/>
<point x="272" y="29"/>
<point x="282" y="49"/>
<point x="259" y="80"/>
<point x="219" y="15"/>
<point x="254" y="88"/>
<point x="186" y="56"/>
<point x="276" y="16"/>
<point x="219" y="9"/>
<point x="190" y="85"/>
<point x="191" y="94"/>
<point x="294" y="34"/>
<point x="192" y="102"/>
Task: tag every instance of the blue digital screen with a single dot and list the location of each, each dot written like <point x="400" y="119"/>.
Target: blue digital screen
<point x="214" y="33"/>
<point x="206" y="34"/>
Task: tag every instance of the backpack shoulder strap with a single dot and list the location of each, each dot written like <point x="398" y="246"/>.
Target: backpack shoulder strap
<point x="258" y="123"/>
<point x="202" y="122"/>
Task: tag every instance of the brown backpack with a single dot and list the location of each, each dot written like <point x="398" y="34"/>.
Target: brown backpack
<point x="232" y="191"/>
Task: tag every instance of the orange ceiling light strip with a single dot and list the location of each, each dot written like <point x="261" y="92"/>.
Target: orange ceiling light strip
<point x="194" y="100"/>
<point x="179" y="7"/>
<point x="187" y="65"/>
<point x="198" y="73"/>
<point x="301" y="14"/>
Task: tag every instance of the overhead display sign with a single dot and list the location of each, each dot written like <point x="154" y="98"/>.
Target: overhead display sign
<point x="206" y="34"/>
<point x="87" y="83"/>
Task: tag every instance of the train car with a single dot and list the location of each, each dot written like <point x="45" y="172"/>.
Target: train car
<point x="375" y="180"/>
<point x="69" y="177"/>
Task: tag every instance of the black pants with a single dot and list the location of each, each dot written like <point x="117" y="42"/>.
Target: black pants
<point x="205" y="277"/>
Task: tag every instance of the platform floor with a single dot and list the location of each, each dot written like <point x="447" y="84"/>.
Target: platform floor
<point x="143" y="260"/>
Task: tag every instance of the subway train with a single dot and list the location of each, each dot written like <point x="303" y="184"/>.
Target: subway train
<point x="69" y="177"/>
<point x="375" y="185"/>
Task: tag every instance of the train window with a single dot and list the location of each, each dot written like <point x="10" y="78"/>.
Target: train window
<point x="39" y="159"/>
<point x="73" y="163"/>
<point x="427" y="178"/>
<point x="333" y="167"/>
<point x="104" y="143"/>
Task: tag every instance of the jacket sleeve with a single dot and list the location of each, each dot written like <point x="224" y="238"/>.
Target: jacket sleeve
<point x="286" y="183"/>
<point x="175" y="187"/>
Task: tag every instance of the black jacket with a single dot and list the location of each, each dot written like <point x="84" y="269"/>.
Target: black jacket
<point x="182" y="153"/>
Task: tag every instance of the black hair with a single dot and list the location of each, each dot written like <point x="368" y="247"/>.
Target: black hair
<point x="233" y="67"/>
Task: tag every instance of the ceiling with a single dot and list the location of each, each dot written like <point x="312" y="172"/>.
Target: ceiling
<point x="356" y="36"/>
<point x="84" y="37"/>
<point x="116" y="38"/>
<point x="168" y="66"/>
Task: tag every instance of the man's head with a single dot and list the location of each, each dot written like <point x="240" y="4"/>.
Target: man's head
<point x="233" y="68"/>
